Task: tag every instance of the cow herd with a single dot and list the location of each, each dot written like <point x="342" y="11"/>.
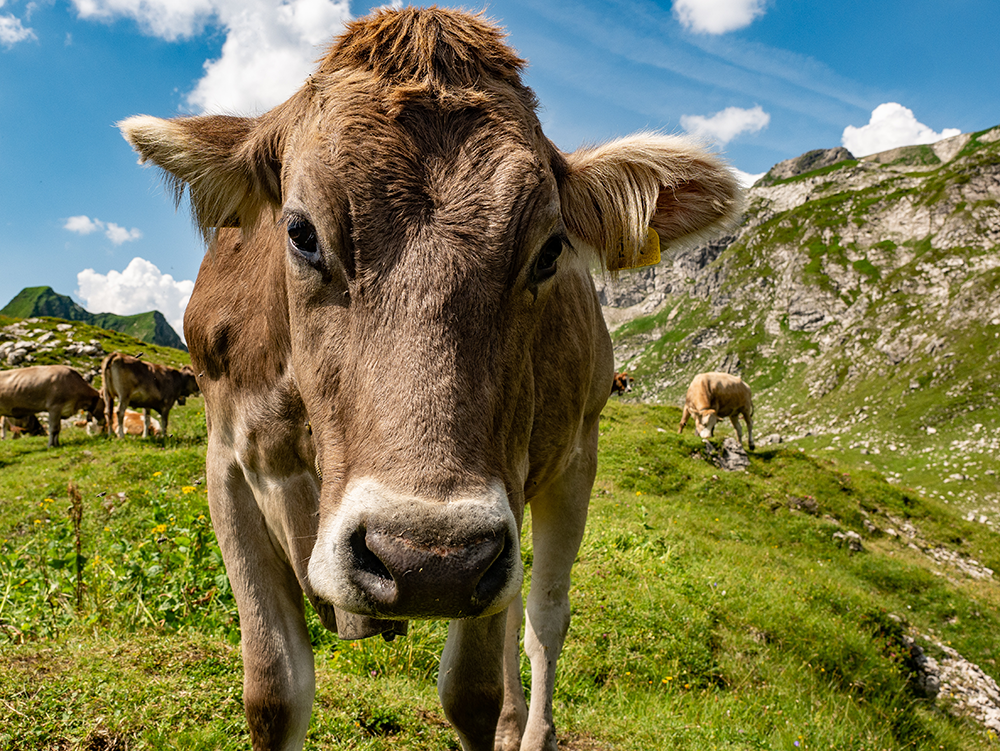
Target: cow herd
<point x="59" y="392"/>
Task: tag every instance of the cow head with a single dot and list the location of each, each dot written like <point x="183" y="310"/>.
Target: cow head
<point x="189" y="384"/>
<point x="96" y="410"/>
<point x="704" y="423"/>
<point x="429" y="235"/>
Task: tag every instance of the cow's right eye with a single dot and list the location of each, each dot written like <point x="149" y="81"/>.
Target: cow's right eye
<point x="302" y="236"/>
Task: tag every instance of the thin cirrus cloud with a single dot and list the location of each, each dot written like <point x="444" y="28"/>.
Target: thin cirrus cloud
<point x="891" y="125"/>
<point x="724" y="126"/>
<point x="84" y="225"/>
<point x="139" y="288"/>
<point x="270" y="48"/>
<point x="717" y="16"/>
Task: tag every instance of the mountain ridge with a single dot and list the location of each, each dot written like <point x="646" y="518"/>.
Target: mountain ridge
<point x="151" y="327"/>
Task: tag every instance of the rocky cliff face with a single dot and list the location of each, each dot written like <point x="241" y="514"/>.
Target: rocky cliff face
<point x="855" y="289"/>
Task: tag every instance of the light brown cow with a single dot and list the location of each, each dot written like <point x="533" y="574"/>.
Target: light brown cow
<point x="402" y="349"/>
<point x="135" y="424"/>
<point x="18" y="426"/>
<point x="714" y="395"/>
<point x="57" y="390"/>
<point x="622" y="383"/>
<point x="143" y="384"/>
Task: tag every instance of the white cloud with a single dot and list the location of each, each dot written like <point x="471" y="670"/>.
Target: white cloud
<point x="270" y="48"/>
<point x="891" y="125"/>
<point x="717" y="16"/>
<point x="12" y="30"/>
<point x="745" y="178"/>
<point x="724" y="126"/>
<point x="84" y="225"/>
<point x="141" y="287"/>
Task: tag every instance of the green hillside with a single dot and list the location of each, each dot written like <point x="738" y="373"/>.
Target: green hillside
<point x="711" y="610"/>
<point x="150" y="327"/>
<point x="861" y="301"/>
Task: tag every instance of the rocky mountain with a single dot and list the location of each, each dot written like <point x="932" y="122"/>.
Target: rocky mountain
<point x="860" y="298"/>
<point x="150" y="327"/>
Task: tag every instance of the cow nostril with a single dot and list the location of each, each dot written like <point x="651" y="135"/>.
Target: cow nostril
<point x="367" y="561"/>
<point x="495" y="578"/>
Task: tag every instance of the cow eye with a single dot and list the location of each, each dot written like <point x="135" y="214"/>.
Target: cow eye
<point x="302" y="236"/>
<point x="545" y="264"/>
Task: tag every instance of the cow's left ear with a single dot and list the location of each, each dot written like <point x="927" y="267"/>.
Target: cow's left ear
<point x="611" y="195"/>
<point x="229" y="165"/>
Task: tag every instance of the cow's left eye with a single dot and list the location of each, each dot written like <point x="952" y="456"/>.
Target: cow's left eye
<point x="545" y="264"/>
<point x="302" y="236"/>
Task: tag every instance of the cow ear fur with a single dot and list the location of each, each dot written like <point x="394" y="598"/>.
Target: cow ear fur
<point x="612" y="193"/>
<point x="229" y="165"/>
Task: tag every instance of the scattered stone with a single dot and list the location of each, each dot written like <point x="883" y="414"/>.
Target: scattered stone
<point x="851" y="539"/>
<point x="732" y="458"/>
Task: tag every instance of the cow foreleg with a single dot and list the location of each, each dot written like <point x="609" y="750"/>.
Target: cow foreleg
<point x="557" y="520"/>
<point x="145" y="422"/>
<point x="514" y="715"/>
<point x="278" y="671"/>
<point x="685" y="415"/>
<point x="164" y="416"/>
<point x="471" y="680"/>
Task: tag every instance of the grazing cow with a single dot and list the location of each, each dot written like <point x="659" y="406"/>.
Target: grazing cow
<point x="143" y="384"/>
<point x="56" y="389"/>
<point x="714" y="395"/>
<point x="622" y="383"/>
<point x="19" y="426"/>
<point x="401" y="349"/>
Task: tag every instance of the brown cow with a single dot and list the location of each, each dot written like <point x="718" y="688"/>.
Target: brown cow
<point x="56" y="389"/>
<point x="402" y="348"/>
<point x="143" y="384"/>
<point x="19" y="426"/>
<point x="714" y="395"/>
<point x="622" y="383"/>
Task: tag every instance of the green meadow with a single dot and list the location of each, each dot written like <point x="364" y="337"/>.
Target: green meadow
<point x="711" y="610"/>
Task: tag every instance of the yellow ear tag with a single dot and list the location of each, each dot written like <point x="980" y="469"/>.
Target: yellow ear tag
<point x="649" y="254"/>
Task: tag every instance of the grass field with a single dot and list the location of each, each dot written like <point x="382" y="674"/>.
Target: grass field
<point x="711" y="610"/>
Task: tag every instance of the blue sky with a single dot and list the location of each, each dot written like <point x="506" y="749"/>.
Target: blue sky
<point x="762" y="80"/>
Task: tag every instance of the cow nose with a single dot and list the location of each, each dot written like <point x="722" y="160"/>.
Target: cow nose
<point x="457" y="578"/>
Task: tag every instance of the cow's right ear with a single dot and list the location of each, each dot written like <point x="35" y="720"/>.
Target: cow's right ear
<point x="230" y="166"/>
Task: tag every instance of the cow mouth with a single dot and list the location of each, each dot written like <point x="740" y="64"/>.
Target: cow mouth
<point x="402" y="576"/>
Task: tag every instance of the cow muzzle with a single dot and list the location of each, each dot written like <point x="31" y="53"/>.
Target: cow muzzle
<point x="390" y="556"/>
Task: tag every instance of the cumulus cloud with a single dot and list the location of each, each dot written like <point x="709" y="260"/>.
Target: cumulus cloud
<point x="84" y="225"/>
<point x="724" y="126"/>
<point x="270" y="47"/>
<point x="12" y="30"/>
<point x="891" y="125"/>
<point x="717" y="16"/>
<point x="141" y="287"/>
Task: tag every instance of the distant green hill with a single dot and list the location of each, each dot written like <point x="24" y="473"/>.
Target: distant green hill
<point x="150" y="327"/>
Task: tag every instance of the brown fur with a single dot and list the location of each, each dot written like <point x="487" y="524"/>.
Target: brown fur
<point x="418" y="382"/>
